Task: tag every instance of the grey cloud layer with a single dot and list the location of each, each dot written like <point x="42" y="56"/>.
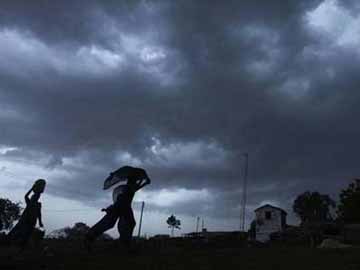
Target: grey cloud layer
<point x="161" y="83"/>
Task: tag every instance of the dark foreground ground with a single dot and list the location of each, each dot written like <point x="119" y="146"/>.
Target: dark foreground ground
<point x="72" y="256"/>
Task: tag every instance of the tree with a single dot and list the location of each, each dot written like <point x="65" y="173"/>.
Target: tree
<point x="349" y="205"/>
<point x="76" y="232"/>
<point x="173" y="223"/>
<point x="313" y="207"/>
<point x="9" y="213"/>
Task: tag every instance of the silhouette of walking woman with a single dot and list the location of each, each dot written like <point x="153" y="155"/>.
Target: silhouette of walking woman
<point x="121" y="208"/>
<point x="22" y="231"/>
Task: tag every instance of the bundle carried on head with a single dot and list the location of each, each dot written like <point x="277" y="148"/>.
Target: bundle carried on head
<point x="39" y="186"/>
<point x="125" y="173"/>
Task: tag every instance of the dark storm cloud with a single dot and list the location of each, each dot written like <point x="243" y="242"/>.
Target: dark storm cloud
<point x="182" y="88"/>
<point x="66" y="21"/>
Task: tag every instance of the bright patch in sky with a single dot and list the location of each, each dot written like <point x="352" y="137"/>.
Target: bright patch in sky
<point x="199" y="153"/>
<point x="127" y="158"/>
<point x="151" y="54"/>
<point x="172" y="197"/>
<point x="150" y="57"/>
<point x="96" y="57"/>
<point x="336" y="22"/>
<point x="4" y="150"/>
<point x="20" y="52"/>
<point x="141" y="47"/>
<point x="33" y="55"/>
<point x="25" y="44"/>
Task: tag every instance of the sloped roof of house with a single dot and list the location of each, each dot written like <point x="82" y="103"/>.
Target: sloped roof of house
<point x="269" y="205"/>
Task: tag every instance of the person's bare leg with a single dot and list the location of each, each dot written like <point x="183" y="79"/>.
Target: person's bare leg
<point x="106" y="223"/>
<point x="126" y="227"/>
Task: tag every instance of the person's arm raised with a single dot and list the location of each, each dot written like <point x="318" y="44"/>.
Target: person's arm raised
<point x="27" y="200"/>
<point x="143" y="183"/>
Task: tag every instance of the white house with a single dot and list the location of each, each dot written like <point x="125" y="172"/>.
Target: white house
<point x="269" y="219"/>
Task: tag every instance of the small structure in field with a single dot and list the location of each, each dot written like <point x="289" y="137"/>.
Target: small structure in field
<point x="160" y="236"/>
<point x="269" y="219"/>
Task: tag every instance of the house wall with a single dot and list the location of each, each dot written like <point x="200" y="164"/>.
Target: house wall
<point x="264" y="227"/>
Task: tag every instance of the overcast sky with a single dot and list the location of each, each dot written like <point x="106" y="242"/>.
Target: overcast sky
<point x="182" y="89"/>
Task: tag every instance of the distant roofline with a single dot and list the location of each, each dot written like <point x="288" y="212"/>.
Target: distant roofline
<point x="269" y="205"/>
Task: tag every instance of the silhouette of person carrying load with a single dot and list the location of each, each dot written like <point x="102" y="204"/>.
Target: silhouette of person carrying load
<point x="136" y="178"/>
<point x="22" y="231"/>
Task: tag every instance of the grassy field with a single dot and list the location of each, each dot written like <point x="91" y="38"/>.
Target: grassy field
<point x="72" y="256"/>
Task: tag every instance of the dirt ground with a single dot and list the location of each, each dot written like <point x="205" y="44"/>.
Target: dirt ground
<point x="69" y="256"/>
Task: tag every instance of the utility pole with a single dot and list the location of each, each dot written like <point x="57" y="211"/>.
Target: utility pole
<point x="141" y="217"/>
<point x="242" y="226"/>
<point x="197" y="224"/>
<point x="202" y="225"/>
